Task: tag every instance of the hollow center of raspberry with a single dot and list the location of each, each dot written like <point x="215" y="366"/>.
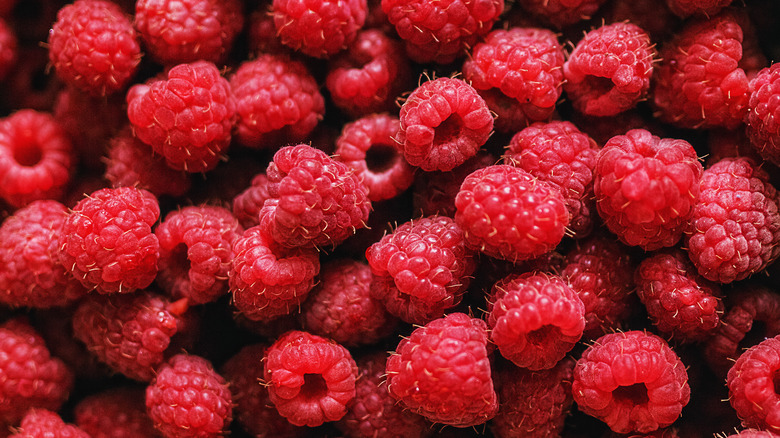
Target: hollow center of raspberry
<point x="598" y="85"/>
<point x="380" y="157"/>
<point x="544" y="335"/>
<point x="635" y="394"/>
<point x="448" y="130"/>
<point x="29" y="155"/>
<point x="180" y="264"/>
<point x="314" y="386"/>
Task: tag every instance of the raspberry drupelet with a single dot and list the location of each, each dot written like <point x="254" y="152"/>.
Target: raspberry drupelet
<point x="8" y="49"/>
<point x="763" y="118"/>
<point x="45" y="423"/>
<point x="318" y="28"/>
<point x="247" y="204"/>
<point x="562" y="13"/>
<point x="444" y="122"/>
<point x="752" y="391"/>
<point x="118" y="412"/>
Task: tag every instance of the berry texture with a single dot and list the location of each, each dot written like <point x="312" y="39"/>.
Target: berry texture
<point x="561" y="13"/>
<point x="763" y="118"/>
<point x="318" y="28"/>
<point x="753" y="433"/>
<point x="685" y="8"/>
<point x="751" y="383"/>
<point x="45" y="423"/>
<point x="115" y="413"/>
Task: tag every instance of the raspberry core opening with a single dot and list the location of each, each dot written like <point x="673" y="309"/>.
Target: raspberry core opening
<point x="544" y="335"/>
<point x="448" y="130"/>
<point x="314" y="386"/>
<point x="380" y="157"/>
<point x="28" y="155"/>
<point x="635" y="394"/>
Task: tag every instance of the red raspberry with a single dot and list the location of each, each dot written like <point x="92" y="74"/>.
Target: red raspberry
<point x="435" y="192"/>
<point x="735" y="228"/>
<point x="646" y="188"/>
<point x="32" y="275"/>
<point x="8" y="49"/>
<point x="609" y="70"/>
<point x="318" y="28"/>
<point x="708" y="8"/>
<point x="93" y="46"/>
<point x="441" y="31"/>
<point x="268" y="280"/>
<point x="559" y="153"/>
<point x="107" y="241"/>
<point x="277" y="101"/>
<point x="507" y="213"/>
<point x="753" y="433"/>
<point x="175" y="32"/>
<point x="422" y="269"/>
<point x="519" y="73"/>
<point x="186" y="118"/>
<point x="188" y="398"/>
<point x="36" y="158"/>
<point x="751" y="383"/>
<point x="561" y="13"/>
<point x="535" y="319"/>
<point x="764" y="113"/>
<point x="44" y="423"/>
<point x="444" y="122"/>
<point x="442" y="371"/>
<point x="310" y="379"/>
<point x="321" y="201"/>
<point x="632" y="381"/>
<point x="115" y="413"/>
<point x="247" y="204"/>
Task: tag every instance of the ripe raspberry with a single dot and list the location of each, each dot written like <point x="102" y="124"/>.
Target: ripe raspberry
<point x="646" y="188"/>
<point x="188" y="398"/>
<point x="36" y="158"/>
<point x="277" y="101"/>
<point x="422" y="269"/>
<point x="535" y="319"/>
<point x="310" y="379"/>
<point x="115" y="413"/>
<point x="186" y="118"/>
<point x="632" y="381"/>
<point x="735" y="228"/>
<point x="507" y="213"/>
<point x="93" y="46"/>
<point x="609" y="70"/>
<point x="442" y="372"/>
<point x="708" y="8"/>
<point x="268" y="280"/>
<point x="44" y="423"/>
<point x="247" y="204"/>
<point x="519" y="73"/>
<point x="444" y="122"/>
<point x="441" y="31"/>
<point x="762" y="119"/>
<point x="321" y="201"/>
<point x="107" y="241"/>
<point x="559" y="153"/>
<point x="188" y="30"/>
<point x="8" y="49"/>
<point x="561" y="13"/>
<point x="435" y="192"/>
<point x="751" y="382"/>
<point x="318" y="28"/>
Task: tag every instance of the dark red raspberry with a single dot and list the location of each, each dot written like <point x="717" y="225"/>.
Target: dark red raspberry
<point x="444" y="122"/>
<point x="535" y="319"/>
<point x="632" y="381"/>
<point x="278" y="101"/>
<point x="435" y="192"/>
<point x="751" y="382"/>
<point x="36" y="158"/>
<point x="561" y="13"/>
<point x="39" y="423"/>
<point x="652" y="16"/>
<point x="268" y="280"/>
<point x="735" y="228"/>
<point x="763" y="115"/>
<point x="115" y="413"/>
<point x="507" y="213"/>
<point x="442" y="372"/>
<point x="261" y="32"/>
<point x="56" y="328"/>
<point x="680" y="302"/>
<point x="186" y="118"/>
<point x="32" y="275"/>
<point x="441" y="31"/>
<point x="602" y="129"/>
<point x="29" y="84"/>
<point x="310" y="379"/>
<point x="107" y="241"/>
<point x="188" y="398"/>
<point x="318" y="28"/>
<point x="609" y="70"/>
<point x="724" y="143"/>
<point x="8" y="49"/>
<point x="247" y="204"/>
<point x="421" y="269"/>
<point x="646" y="188"/>
<point x="559" y="153"/>
<point x="93" y="46"/>
<point x="188" y="30"/>
<point x="519" y="73"/>
<point x="684" y="8"/>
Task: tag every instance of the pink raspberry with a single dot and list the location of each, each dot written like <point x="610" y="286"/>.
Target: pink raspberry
<point x="646" y="188"/>
<point x="8" y="49"/>
<point x="115" y="413"/>
<point x="310" y="379"/>
<point x="708" y="8"/>
<point x="764" y="113"/>
<point x="752" y="391"/>
<point x="435" y="192"/>
<point x="247" y="204"/>
<point x="442" y="372"/>
<point x="444" y="122"/>
<point x="45" y="423"/>
<point x="562" y="13"/>
<point x="632" y="381"/>
<point x="318" y="28"/>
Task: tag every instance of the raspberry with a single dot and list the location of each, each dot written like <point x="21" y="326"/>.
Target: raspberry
<point x="535" y="319"/>
<point x="277" y="101"/>
<point x="367" y="145"/>
<point x="561" y="13"/>
<point x="435" y="192"/>
<point x="268" y="280"/>
<point x="444" y="122"/>
<point x="422" y="269"/>
<point x="93" y="46"/>
<point x="321" y="201"/>
<point x="107" y="241"/>
<point x="247" y="204"/>
<point x="762" y="119"/>
<point x="186" y="118"/>
<point x="196" y="252"/>
<point x="115" y="413"/>
<point x="36" y="158"/>
<point x="261" y="32"/>
<point x="684" y="8"/>
<point x="44" y="423"/>
<point x="646" y="188"/>
<point x="8" y="49"/>
<point x="680" y="302"/>
<point x="507" y="213"/>
<point x="559" y="153"/>
<point x="751" y="383"/>
<point x="519" y="73"/>
<point x="753" y="433"/>
<point x="310" y="379"/>
<point x="188" y="398"/>
<point x="318" y="28"/>
<point x="441" y="31"/>
<point x="735" y="228"/>
<point x="188" y="30"/>
<point x="442" y="372"/>
<point x="652" y="16"/>
<point x="632" y="381"/>
<point x="609" y="70"/>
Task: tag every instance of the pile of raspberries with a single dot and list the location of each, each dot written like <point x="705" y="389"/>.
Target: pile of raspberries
<point x="389" y="218"/>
